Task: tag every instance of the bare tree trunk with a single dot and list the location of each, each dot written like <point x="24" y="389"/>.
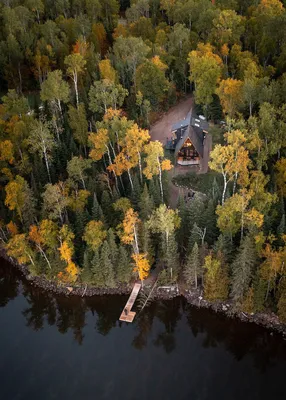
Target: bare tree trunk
<point x="224" y="189"/>
<point x="140" y="167"/>
<point x="196" y="278"/>
<point x="83" y="182"/>
<point x="47" y="165"/>
<point x="160" y="180"/>
<point x="234" y="183"/>
<point x="136" y="240"/>
<point x="20" y="78"/>
<point x="130" y="179"/>
<point x="76" y="88"/>
<point x="30" y="258"/>
<point x="45" y="257"/>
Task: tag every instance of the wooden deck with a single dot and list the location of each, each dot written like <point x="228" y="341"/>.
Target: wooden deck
<point x="127" y="315"/>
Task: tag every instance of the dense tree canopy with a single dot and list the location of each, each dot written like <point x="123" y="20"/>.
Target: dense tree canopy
<point x="84" y="190"/>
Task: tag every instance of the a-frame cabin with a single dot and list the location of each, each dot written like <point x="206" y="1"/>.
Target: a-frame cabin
<point x="191" y="141"/>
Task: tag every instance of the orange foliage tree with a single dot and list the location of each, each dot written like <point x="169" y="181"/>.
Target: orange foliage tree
<point x="66" y="250"/>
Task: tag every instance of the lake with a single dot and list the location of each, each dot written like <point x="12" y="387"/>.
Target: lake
<point x="56" y="348"/>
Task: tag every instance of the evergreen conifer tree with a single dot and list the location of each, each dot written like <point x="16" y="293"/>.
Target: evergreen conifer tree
<point x="154" y="190"/>
<point x="106" y="205"/>
<point x="260" y="289"/>
<point x="96" y="212"/>
<point x="209" y="221"/>
<point x="215" y="191"/>
<point x="165" y="183"/>
<point x="115" y="194"/>
<point x="193" y="238"/>
<point x="195" y="210"/>
<point x="248" y="302"/>
<point x="192" y="268"/>
<point x="81" y="219"/>
<point x="224" y="246"/>
<point x="282" y="300"/>
<point x="97" y="270"/>
<point x="87" y="273"/>
<point x="183" y="232"/>
<point x="146" y="242"/>
<point x="281" y="229"/>
<point x="171" y="258"/>
<point x="136" y="192"/>
<point x="123" y="267"/>
<point x="242" y="269"/>
<point x="146" y="204"/>
<point x="106" y="265"/>
<point x="112" y="247"/>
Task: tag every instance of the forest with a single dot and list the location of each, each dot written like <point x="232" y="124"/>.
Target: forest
<point x="85" y="191"/>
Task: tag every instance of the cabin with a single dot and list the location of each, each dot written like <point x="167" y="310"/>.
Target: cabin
<point x="191" y="141"/>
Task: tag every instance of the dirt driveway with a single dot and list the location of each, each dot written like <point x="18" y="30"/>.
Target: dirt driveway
<point x="162" y="128"/>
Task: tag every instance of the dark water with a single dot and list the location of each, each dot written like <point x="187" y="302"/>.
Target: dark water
<point x="59" y="348"/>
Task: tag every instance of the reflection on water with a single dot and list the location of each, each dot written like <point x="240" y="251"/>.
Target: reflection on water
<point x="172" y="350"/>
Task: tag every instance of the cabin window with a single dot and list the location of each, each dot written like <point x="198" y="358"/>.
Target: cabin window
<point x="188" y="152"/>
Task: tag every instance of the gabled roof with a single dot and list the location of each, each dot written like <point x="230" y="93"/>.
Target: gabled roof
<point x="183" y="123"/>
<point x="196" y="136"/>
<point x="192" y="119"/>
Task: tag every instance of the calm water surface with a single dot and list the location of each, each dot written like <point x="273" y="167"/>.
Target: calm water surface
<point x="70" y="348"/>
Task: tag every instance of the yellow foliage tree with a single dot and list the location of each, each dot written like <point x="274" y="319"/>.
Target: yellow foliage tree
<point x="123" y="204"/>
<point x="122" y="163"/>
<point x="272" y="265"/>
<point x="49" y="234"/>
<point x="129" y="227"/>
<point x="66" y="250"/>
<point x="99" y="142"/>
<point x="78" y="200"/>
<point x="107" y="71"/>
<point x="7" y="151"/>
<point x="18" y="247"/>
<point x="232" y="161"/>
<point x="36" y="237"/>
<point x="94" y="234"/>
<point x="206" y="70"/>
<point x="230" y="93"/>
<point x="100" y="146"/>
<point x="236" y="213"/>
<point x="142" y="266"/>
<point x="12" y="228"/>
<point x="159" y="63"/>
<point x="155" y="163"/>
<point x="216" y="279"/>
<point x="281" y="176"/>
<point x="15" y="195"/>
<point x="136" y="139"/>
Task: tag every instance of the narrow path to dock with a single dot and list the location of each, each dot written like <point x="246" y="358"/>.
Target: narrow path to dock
<point x="127" y="315"/>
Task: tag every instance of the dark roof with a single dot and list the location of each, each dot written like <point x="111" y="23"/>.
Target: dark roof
<point x="196" y="136"/>
<point x="192" y="119"/>
<point x="183" y="123"/>
<point x="199" y="122"/>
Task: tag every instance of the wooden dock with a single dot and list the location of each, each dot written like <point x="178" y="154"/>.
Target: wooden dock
<point x="127" y="315"/>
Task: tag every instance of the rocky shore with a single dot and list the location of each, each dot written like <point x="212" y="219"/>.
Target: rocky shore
<point x="268" y="320"/>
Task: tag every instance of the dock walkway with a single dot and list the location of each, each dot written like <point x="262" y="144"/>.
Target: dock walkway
<point x="127" y="315"/>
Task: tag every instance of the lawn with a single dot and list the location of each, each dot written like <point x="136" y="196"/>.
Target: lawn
<point x="204" y="183"/>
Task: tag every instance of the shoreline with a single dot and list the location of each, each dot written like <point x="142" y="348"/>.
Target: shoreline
<point x="268" y="320"/>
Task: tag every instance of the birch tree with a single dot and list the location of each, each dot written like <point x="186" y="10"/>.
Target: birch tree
<point x="41" y="141"/>
<point x="155" y="163"/>
<point x="75" y="65"/>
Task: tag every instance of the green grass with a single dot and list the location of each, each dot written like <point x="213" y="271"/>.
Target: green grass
<point x="199" y="182"/>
